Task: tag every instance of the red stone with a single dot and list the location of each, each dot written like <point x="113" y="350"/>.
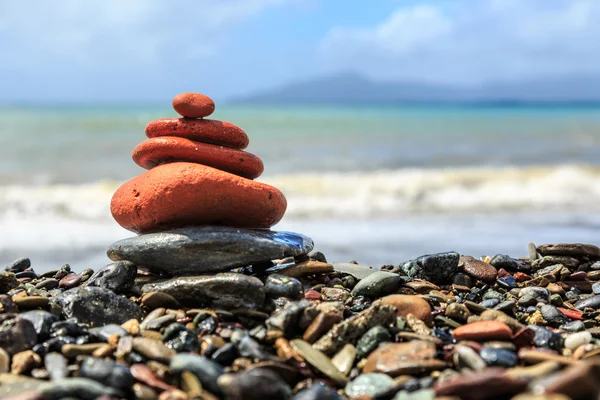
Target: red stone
<point x="193" y="105"/>
<point x="201" y="130"/>
<point x="483" y="331"/>
<point x="572" y="314"/>
<point x="523" y="337"/>
<point x="161" y="150"/>
<point x="185" y="194"/>
<point x="312" y="295"/>
<point x="521" y="277"/>
<point x="479" y="269"/>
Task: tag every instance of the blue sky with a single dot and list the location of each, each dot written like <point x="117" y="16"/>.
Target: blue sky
<point x="149" y="50"/>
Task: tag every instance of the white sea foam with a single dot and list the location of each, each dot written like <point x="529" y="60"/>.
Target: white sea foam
<point x="362" y="195"/>
<point x="380" y="216"/>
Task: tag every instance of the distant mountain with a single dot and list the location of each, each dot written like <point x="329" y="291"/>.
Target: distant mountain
<point x="352" y="88"/>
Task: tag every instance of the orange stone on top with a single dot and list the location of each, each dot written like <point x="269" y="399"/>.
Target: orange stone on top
<point x="161" y="150"/>
<point x="193" y="105"/>
<point x="200" y="130"/>
<point x="183" y="194"/>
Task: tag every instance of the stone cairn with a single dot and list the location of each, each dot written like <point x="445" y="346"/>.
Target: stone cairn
<point x="198" y="209"/>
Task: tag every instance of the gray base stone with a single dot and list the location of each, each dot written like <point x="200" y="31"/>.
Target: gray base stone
<point x="207" y="249"/>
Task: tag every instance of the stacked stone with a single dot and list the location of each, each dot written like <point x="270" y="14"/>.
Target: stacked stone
<point x="198" y="208"/>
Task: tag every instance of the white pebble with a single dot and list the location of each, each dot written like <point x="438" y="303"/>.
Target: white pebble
<point x="574" y="340"/>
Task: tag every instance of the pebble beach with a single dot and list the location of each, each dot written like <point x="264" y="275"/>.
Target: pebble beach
<point x="208" y="302"/>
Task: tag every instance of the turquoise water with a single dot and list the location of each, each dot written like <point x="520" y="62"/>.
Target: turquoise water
<point x="378" y="184"/>
<point x="82" y="144"/>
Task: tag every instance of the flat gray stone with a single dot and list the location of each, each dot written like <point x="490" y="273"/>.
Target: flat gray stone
<point x="207" y="249"/>
<point x="225" y="290"/>
<point x="358" y="271"/>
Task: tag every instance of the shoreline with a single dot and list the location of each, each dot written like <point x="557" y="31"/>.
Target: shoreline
<point x="438" y="325"/>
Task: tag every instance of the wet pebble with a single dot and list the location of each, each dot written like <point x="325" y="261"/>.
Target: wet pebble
<point x="97" y="306"/>
<point x="106" y="372"/>
<point x="283" y="286"/>
<point x="207" y="371"/>
<point x="377" y="284"/>
<point x="256" y="384"/>
<point x="370" y="385"/>
<point x="498" y="357"/>
<point x="317" y="391"/>
<point x="118" y="277"/>
<point x="370" y="340"/>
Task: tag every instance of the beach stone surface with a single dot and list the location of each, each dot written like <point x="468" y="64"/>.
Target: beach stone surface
<point x="182" y="194"/>
<point x="207" y="249"/>
<point x="118" y="277"/>
<point x="570" y="249"/>
<point x="478" y="269"/>
<point x="377" y="284"/>
<point x="490" y="383"/>
<point x="18" y="265"/>
<point x="226" y="290"/>
<point x="207" y="371"/>
<point x="161" y="150"/>
<point x="16" y="334"/>
<point x="97" y="306"/>
<point x="277" y="285"/>
<point x="483" y="330"/>
<point x="201" y="130"/>
<point x="193" y="105"/>
<point x="435" y="268"/>
<point x="351" y="329"/>
<point x="370" y="385"/>
<point x="409" y="304"/>
<point x="396" y="359"/>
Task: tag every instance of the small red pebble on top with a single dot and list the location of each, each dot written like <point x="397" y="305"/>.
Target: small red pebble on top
<point x="193" y="105"/>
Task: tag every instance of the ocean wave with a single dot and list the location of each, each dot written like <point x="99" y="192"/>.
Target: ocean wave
<point x="357" y="195"/>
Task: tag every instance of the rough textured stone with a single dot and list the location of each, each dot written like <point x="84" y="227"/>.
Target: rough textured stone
<point x="351" y="329"/>
<point x="478" y="269"/>
<point x="226" y="290"/>
<point x="97" y="306"/>
<point x="201" y="130"/>
<point x="118" y="277"/>
<point x="16" y="333"/>
<point x="152" y="152"/>
<point x="435" y="268"/>
<point x="570" y="249"/>
<point x="207" y="249"/>
<point x="318" y="360"/>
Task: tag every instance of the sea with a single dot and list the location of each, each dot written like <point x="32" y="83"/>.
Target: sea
<point x="377" y="184"/>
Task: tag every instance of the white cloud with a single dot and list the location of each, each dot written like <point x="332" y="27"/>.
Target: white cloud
<point x="141" y="31"/>
<point x="472" y="41"/>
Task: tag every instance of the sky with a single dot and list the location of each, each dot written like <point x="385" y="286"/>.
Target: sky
<point x="63" y="51"/>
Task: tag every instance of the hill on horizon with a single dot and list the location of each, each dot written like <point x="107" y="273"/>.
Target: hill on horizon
<point x="354" y="88"/>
